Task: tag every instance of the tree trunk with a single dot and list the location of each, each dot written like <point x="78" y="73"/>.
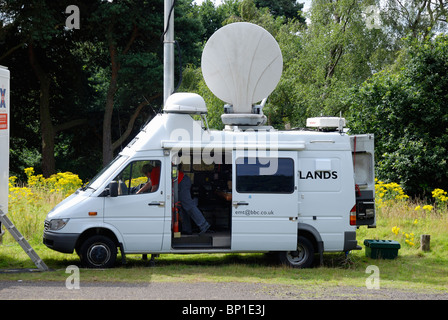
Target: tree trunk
<point x="46" y="125"/>
<point x="107" y="123"/>
<point x="108" y="146"/>
<point x="47" y="129"/>
<point x="126" y="134"/>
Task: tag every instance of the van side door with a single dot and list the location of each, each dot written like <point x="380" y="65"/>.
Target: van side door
<point x="140" y="217"/>
<point x="264" y="202"/>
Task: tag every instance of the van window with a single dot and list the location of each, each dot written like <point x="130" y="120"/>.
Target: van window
<point x="133" y="178"/>
<point x="265" y="175"/>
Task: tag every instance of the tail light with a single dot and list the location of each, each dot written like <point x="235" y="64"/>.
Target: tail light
<point x="353" y="216"/>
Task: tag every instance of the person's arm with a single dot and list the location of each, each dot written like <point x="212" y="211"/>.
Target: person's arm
<point x="145" y="188"/>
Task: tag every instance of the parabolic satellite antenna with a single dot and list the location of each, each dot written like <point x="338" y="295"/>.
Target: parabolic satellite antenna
<point x="242" y="64"/>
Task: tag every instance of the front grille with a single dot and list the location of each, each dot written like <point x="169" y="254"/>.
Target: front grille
<point x="46" y="225"/>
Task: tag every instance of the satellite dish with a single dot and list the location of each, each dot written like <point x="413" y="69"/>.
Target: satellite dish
<point x="242" y="64"/>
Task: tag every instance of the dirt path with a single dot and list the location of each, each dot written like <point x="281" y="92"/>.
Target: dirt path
<point x="30" y="290"/>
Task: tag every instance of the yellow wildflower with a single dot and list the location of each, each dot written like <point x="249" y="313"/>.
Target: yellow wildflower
<point x="29" y="171"/>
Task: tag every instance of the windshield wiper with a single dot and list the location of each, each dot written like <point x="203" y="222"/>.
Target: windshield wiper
<point x="86" y="186"/>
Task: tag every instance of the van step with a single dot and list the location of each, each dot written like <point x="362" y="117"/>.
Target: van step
<point x="192" y="239"/>
<point x="206" y="240"/>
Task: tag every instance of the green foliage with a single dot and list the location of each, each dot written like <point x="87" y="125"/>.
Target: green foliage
<point x="212" y="17"/>
<point x="335" y="54"/>
<point x="290" y="9"/>
<point x="408" y="113"/>
<point x="194" y="82"/>
<point x="332" y="63"/>
<point x="78" y="68"/>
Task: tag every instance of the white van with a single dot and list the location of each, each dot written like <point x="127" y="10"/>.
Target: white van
<point x="306" y="197"/>
<point x="297" y="193"/>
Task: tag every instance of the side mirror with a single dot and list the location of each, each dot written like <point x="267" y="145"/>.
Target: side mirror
<point x="113" y="189"/>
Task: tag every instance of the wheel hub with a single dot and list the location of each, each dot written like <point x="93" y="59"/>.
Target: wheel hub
<point x="297" y="256"/>
<point x="98" y="254"/>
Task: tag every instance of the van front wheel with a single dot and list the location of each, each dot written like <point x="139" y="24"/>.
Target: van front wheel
<point x="303" y="257"/>
<point x="98" y="252"/>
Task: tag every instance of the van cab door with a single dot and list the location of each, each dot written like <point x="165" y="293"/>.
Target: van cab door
<point x="138" y="217"/>
<point x="264" y="202"/>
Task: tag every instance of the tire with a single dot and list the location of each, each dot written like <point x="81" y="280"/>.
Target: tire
<point x="303" y="257"/>
<point x="98" y="252"/>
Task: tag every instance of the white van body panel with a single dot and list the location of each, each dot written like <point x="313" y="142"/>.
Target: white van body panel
<point x="325" y="201"/>
<point x="72" y="206"/>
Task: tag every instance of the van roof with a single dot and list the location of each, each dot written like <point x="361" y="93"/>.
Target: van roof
<point x="171" y="131"/>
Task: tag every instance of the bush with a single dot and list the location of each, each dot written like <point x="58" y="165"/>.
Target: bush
<point x="29" y="203"/>
<point x="408" y="113"/>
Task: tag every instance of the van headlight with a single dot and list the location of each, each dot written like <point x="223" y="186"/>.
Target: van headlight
<point x="58" y="224"/>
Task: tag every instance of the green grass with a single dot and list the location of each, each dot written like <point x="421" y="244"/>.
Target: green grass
<point x="413" y="269"/>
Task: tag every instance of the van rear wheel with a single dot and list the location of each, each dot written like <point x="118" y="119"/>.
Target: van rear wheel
<point x="98" y="252"/>
<point x="303" y="257"/>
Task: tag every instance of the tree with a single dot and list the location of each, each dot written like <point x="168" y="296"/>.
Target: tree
<point x="211" y="18"/>
<point x="324" y="59"/>
<point x="408" y="113"/>
<point x="35" y="29"/>
<point x="290" y="9"/>
<point x="103" y="75"/>
<point x="417" y="18"/>
<point x="130" y="34"/>
<point x="126" y="31"/>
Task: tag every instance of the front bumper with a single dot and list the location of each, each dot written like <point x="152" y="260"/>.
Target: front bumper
<point x="62" y="242"/>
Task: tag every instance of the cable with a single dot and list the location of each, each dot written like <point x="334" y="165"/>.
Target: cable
<point x="180" y="66"/>
<point x="168" y="22"/>
<point x="176" y="43"/>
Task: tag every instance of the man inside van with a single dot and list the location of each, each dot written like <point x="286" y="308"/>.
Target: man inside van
<point x="147" y="169"/>
<point x="189" y="208"/>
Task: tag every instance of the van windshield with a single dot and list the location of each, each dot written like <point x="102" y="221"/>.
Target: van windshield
<point x="96" y="182"/>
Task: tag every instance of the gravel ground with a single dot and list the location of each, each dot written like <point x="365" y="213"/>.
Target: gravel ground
<point x="30" y="290"/>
